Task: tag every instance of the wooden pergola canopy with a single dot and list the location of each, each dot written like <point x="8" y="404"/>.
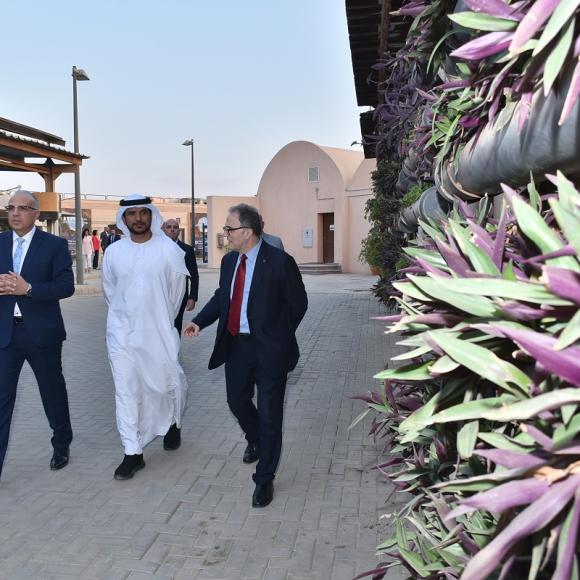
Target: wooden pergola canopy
<point x="21" y="146"/>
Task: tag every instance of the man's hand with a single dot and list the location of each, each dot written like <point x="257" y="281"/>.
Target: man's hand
<point x="12" y="284"/>
<point x="190" y="304"/>
<point x="191" y="329"/>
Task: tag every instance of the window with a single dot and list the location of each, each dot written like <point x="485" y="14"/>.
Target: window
<point x="313" y="174"/>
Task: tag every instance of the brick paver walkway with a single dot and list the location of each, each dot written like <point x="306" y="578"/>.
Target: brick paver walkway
<point x="188" y="514"/>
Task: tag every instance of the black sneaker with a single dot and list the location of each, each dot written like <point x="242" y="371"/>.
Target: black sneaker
<point x="130" y="465"/>
<point x="172" y="439"/>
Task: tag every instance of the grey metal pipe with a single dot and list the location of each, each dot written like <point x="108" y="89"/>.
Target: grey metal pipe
<point x="430" y="205"/>
<point x="509" y="155"/>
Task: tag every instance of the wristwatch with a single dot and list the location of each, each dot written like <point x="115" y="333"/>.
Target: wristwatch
<point x="29" y="291"/>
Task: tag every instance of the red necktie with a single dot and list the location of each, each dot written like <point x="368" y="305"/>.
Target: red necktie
<point x="237" y="297"/>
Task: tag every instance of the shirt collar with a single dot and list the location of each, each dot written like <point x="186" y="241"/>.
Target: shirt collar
<point x="253" y="253"/>
<point x="26" y="237"/>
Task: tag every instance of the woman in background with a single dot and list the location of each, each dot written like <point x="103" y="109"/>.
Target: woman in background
<point x="87" y="250"/>
<point x="96" y="250"/>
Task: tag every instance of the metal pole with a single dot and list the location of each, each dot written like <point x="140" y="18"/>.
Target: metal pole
<point x="78" y="210"/>
<point x="192" y="198"/>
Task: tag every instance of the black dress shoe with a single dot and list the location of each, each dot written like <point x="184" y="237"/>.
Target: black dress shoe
<point x="251" y="453"/>
<point x="172" y="439"/>
<point x="263" y="494"/>
<point x="130" y="465"/>
<point x="59" y="460"/>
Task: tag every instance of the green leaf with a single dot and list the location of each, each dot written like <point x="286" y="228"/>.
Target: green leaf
<point x="484" y="363"/>
<point x="563" y="12"/>
<point x="438" y="45"/>
<point x="442" y="366"/>
<point x="501" y="441"/>
<point x="466" y="438"/>
<point x="570" y="225"/>
<point x="415" y="561"/>
<point x="416" y="352"/>
<point x="570" y="334"/>
<point x="566" y="433"/>
<point x="359" y="418"/>
<point x="421" y="417"/>
<point x="519" y="290"/>
<point x="480" y="260"/>
<point x="535" y="200"/>
<point x="482" y="21"/>
<point x="431" y="257"/>
<point x="439" y="289"/>
<point x="412" y="291"/>
<point x="471" y="410"/>
<point x="557" y="58"/>
<point x="535" y="228"/>
<point x="539" y="543"/>
<point x="568" y="412"/>
<point x="414" y="372"/>
<point x="523" y="410"/>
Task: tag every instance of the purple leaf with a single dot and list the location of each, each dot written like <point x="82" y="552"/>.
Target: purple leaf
<point x="538" y="436"/>
<point x="453" y="258"/>
<point x="484" y="46"/>
<point x="539" y="12"/>
<point x="562" y="282"/>
<point x="564" y="363"/>
<point x="481" y="237"/>
<point x="503" y="497"/>
<point x="511" y="459"/>
<point x="565" y="251"/>
<point x="496" y="8"/>
<point x="438" y="319"/>
<point x="499" y="243"/>
<point x="469" y="122"/>
<point x="391" y="318"/>
<point x="532" y="519"/>
<point x="431" y="269"/>
<point x="519" y="311"/>
<point x="572" y="95"/>
<point x="567" y="556"/>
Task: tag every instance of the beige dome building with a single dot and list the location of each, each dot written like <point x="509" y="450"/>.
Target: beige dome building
<point x="313" y="197"/>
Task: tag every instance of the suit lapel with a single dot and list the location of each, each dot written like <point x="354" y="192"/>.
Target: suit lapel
<point x="5" y="252"/>
<point x="259" y="269"/>
<point x="34" y="245"/>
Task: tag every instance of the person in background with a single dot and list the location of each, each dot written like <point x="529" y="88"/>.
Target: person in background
<point x="96" y="250"/>
<point x="271" y="239"/>
<point x="87" y="250"/>
<point x="171" y="229"/>
<point x="259" y="304"/>
<point x="114" y="236"/>
<point x="104" y="239"/>
<point x="35" y="273"/>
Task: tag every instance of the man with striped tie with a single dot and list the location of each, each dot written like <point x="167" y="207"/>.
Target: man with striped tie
<point x="35" y="273"/>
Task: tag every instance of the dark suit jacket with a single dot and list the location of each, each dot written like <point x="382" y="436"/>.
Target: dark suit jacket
<point x="191" y="265"/>
<point x="276" y="305"/>
<point x="48" y="268"/>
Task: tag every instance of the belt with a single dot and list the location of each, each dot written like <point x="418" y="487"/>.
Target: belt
<point x="243" y="335"/>
<point x="18" y="320"/>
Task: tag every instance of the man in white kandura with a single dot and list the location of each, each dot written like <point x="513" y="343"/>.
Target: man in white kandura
<point x="144" y="282"/>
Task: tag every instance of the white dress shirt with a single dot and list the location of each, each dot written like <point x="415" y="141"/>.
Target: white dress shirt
<point x="251" y="256"/>
<point x="27" y="239"/>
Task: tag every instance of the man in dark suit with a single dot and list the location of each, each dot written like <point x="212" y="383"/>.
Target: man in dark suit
<point x="259" y="303"/>
<point x="171" y="229"/>
<point x="105" y="239"/>
<point x="35" y="273"/>
<point x="114" y="236"/>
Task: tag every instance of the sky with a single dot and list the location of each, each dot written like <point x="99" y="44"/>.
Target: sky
<point x="240" y="78"/>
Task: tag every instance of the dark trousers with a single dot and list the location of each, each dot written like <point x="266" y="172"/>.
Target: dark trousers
<point x="46" y="365"/>
<point x="178" y="322"/>
<point x="261" y="424"/>
<point x="96" y="260"/>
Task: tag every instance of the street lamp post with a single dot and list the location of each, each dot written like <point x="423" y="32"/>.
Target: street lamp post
<point x="78" y="74"/>
<point x="189" y="143"/>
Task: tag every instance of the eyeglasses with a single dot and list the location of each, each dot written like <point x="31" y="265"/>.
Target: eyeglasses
<point x="227" y="229"/>
<point x="22" y="208"/>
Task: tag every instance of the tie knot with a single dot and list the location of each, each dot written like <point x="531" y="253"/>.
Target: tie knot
<point x="243" y="258"/>
<point x="20" y="241"/>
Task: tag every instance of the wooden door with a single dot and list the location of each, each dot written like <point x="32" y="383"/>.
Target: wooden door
<point x="327" y="238"/>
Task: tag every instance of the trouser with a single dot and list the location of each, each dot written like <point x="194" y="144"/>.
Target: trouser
<point x="96" y="260"/>
<point x="47" y="367"/>
<point x="261" y="424"/>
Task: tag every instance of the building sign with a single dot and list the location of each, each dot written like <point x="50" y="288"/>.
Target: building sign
<point x="308" y="237"/>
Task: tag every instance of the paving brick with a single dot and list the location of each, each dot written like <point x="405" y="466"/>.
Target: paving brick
<point x="187" y="515"/>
